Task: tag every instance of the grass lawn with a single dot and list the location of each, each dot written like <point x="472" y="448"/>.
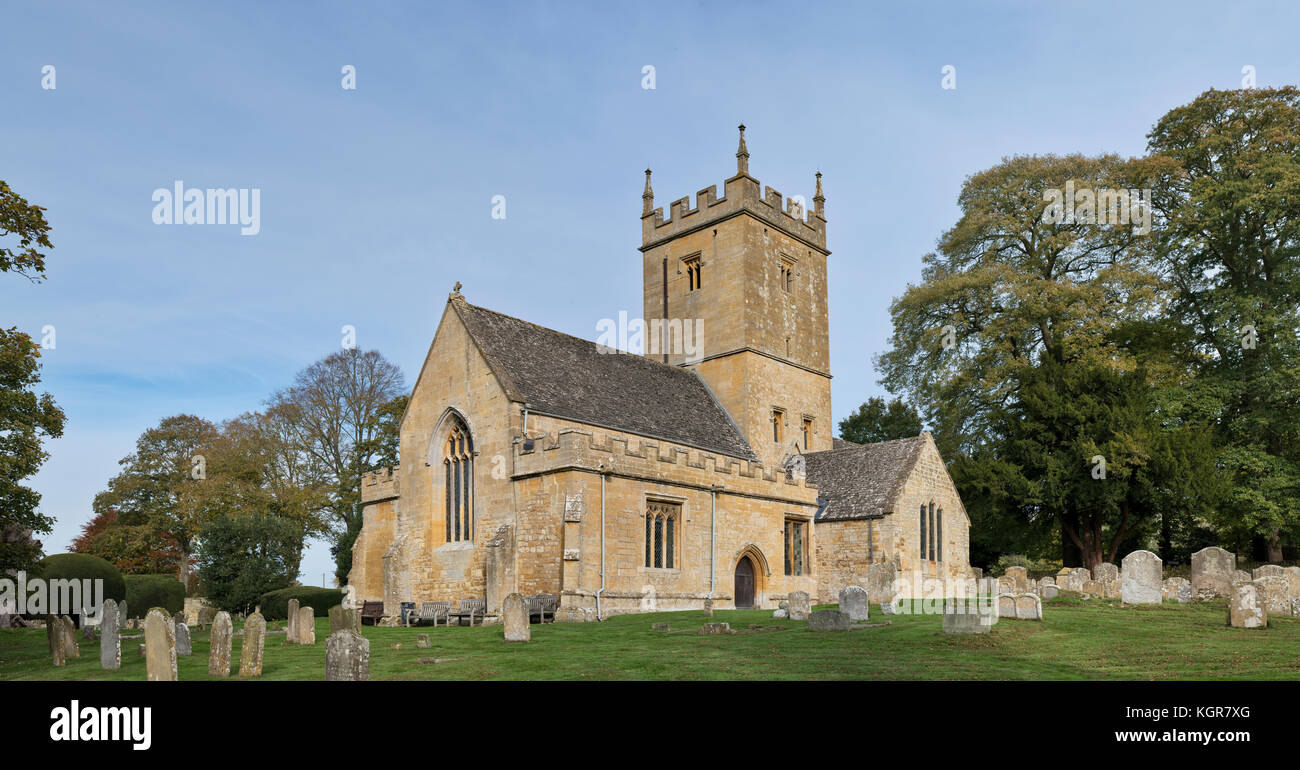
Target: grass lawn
<point x="1095" y="639"/>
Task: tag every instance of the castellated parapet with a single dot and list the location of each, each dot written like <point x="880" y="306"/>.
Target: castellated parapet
<point x="651" y="460"/>
<point x="383" y="484"/>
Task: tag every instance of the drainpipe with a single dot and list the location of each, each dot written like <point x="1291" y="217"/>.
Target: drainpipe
<point x="713" y="532"/>
<point x="603" y="473"/>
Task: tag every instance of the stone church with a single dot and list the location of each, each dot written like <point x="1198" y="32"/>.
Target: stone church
<point x="540" y="463"/>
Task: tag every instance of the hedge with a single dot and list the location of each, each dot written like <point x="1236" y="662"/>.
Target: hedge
<point x="275" y="604"/>
<point x="144" y="592"/>
<point x="83" y="566"/>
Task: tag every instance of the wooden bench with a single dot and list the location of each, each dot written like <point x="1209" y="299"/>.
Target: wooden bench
<point x="469" y="608"/>
<point x="430" y="612"/>
<point x="374" y="611"/>
<point x="542" y="605"/>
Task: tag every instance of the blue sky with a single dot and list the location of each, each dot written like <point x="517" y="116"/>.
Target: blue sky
<point x="374" y="201"/>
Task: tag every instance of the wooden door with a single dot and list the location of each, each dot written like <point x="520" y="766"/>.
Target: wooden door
<point x="745" y="583"/>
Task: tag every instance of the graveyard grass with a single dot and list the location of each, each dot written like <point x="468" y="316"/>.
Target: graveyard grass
<point x="1092" y="639"/>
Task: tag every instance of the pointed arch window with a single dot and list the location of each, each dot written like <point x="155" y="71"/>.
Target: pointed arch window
<point x="458" y="467"/>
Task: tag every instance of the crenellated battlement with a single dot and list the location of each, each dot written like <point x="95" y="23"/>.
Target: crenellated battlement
<point x="742" y="193"/>
<point x="648" y="458"/>
<point x="380" y="485"/>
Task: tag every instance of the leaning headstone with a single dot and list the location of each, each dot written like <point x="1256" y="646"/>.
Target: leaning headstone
<point x="347" y="657"/>
<point x="1105" y="571"/>
<point x="716" y="629"/>
<point x="882" y="585"/>
<point x="110" y="637"/>
<point x="855" y="602"/>
<point x="1141" y="578"/>
<point x="69" y="638"/>
<point x="1213" y="572"/>
<point x="219" y="645"/>
<point x="306" y="625"/>
<point x="183" y="647"/>
<point x="292" y="636"/>
<point x="252" y="646"/>
<point x="1019" y="579"/>
<point x="1029" y="607"/>
<point x="1271" y="592"/>
<point x="829" y="620"/>
<point x="344" y="619"/>
<point x="800" y="605"/>
<point x="514" y="611"/>
<point x="160" y="646"/>
<point x="1244" y="608"/>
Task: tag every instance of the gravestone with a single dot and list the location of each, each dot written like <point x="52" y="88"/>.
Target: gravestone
<point x="800" y="605"/>
<point x="716" y="629"/>
<point x="1244" y="608"/>
<point x="206" y="616"/>
<point x="160" y="646"/>
<point x="110" y="637"/>
<point x="123" y="615"/>
<point x="69" y="638"/>
<point x="660" y="627"/>
<point x="882" y="585"/>
<point x="1213" y="572"/>
<point x="1093" y="588"/>
<point x="344" y="619"/>
<point x="1047" y="581"/>
<point x="829" y="620"/>
<point x="969" y="622"/>
<point x="306" y="625"/>
<point x="292" y="636"/>
<point x="1112" y="589"/>
<point x="515" y="616"/>
<point x="1271" y="592"/>
<point x="54" y="638"/>
<point x="1019" y="579"/>
<point x="855" y="602"/>
<point x="1105" y="571"/>
<point x="421" y="641"/>
<point x="1141" y="578"/>
<point x="708" y="607"/>
<point x="219" y="645"/>
<point x="1176" y="589"/>
<point x="1242" y="577"/>
<point x="347" y="657"/>
<point x="780" y="614"/>
<point x="1007" y="606"/>
<point x="183" y="646"/>
<point x="1267" y="570"/>
<point x="252" y="646"/>
<point x="1029" y="607"/>
<point x="1006" y="585"/>
<point x="1049" y="591"/>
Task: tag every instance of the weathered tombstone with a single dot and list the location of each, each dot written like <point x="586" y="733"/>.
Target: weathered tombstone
<point x="1050" y="591"/>
<point x="421" y="641"/>
<point x="1141" y="578"/>
<point x="660" y="627"/>
<point x="207" y="615"/>
<point x="708" y="607"/>
<point x="1112" y="589"/>
<point x="1267" y="570"/>
<point x="1029" y="607"/>
<point x="829" y="620"/>
<point x="882" y="585"/>
<point x="1093" y="588"/>
<point x="1019" y="579"/>
<point x="160" y="646"/>
<point x="219" y="645"/>
<point x="347" y="657"/>
<point x="1244" y="608"/>
<point x="1270" y="591"/>
<point x="1171" y="589"/>
<point x="1006" y="585"/>
<point x="855" y="602"/>
<point x="1007" y="606"/>
<point x="1105" y="571"/>
<point x="514" y="611"/>
<point x="968" y="622"/>
<point x="716" y="629"/>
<point x="1213" y="572"/>
<point x="123" y="614"/>
<point x="800" y="605"/>
<point x="344" y="619"/>
<point x="184" y="648"/>
<point x="54" y="638"/>
<point x="1242" y="577"/>
<point x="1047" y="581"/>
<point x="69" y="638"/>
<point x="110" y="637"/>
<point x="292" y="636"/>
<point x="251" y="648"/>
<point x="780" y="613"/>
<point x="306" y="625"/>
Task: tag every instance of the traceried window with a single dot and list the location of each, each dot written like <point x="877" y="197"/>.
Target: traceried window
<point x="787" y="275"/>
<point x="661" y="530"/>
<point x="796" y="547"/>
<point x="693" y="275"/>
<point x="458" y="467"/>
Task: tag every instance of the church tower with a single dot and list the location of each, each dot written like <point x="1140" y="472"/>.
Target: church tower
<point x="735" y="288"/>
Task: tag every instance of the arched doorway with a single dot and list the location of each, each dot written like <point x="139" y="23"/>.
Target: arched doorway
<point x="744" y="583"/>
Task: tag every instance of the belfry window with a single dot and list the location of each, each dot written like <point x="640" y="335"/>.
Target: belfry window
<point x="787" y="275"/>
<point x="778" y="425"/>
<point x="807" y="432"/>
<point x="661" y="534"/>
<point x="692" y="265"/>
<point x="458" y="467"/>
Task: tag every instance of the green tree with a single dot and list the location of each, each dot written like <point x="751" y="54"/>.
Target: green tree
<point x="1225" y="171"/>
<point x="25" y="222"/>
<point x="875" y="420"/>
<point x="242" y="557"/>
<point x="381" y="451"/>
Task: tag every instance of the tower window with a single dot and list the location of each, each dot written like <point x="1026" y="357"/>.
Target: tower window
<point x="778" y="425"/>
<point x="692" y="265"/>
<point x="796" y="547"/>
<point x="661" y="534"/>
<point x="787" y="274"/>
<point x="807" y="431"/>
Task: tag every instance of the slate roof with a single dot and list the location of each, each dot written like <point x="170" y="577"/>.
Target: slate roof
<point x="861" y="481"/>
<point x="565" y="376"/>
